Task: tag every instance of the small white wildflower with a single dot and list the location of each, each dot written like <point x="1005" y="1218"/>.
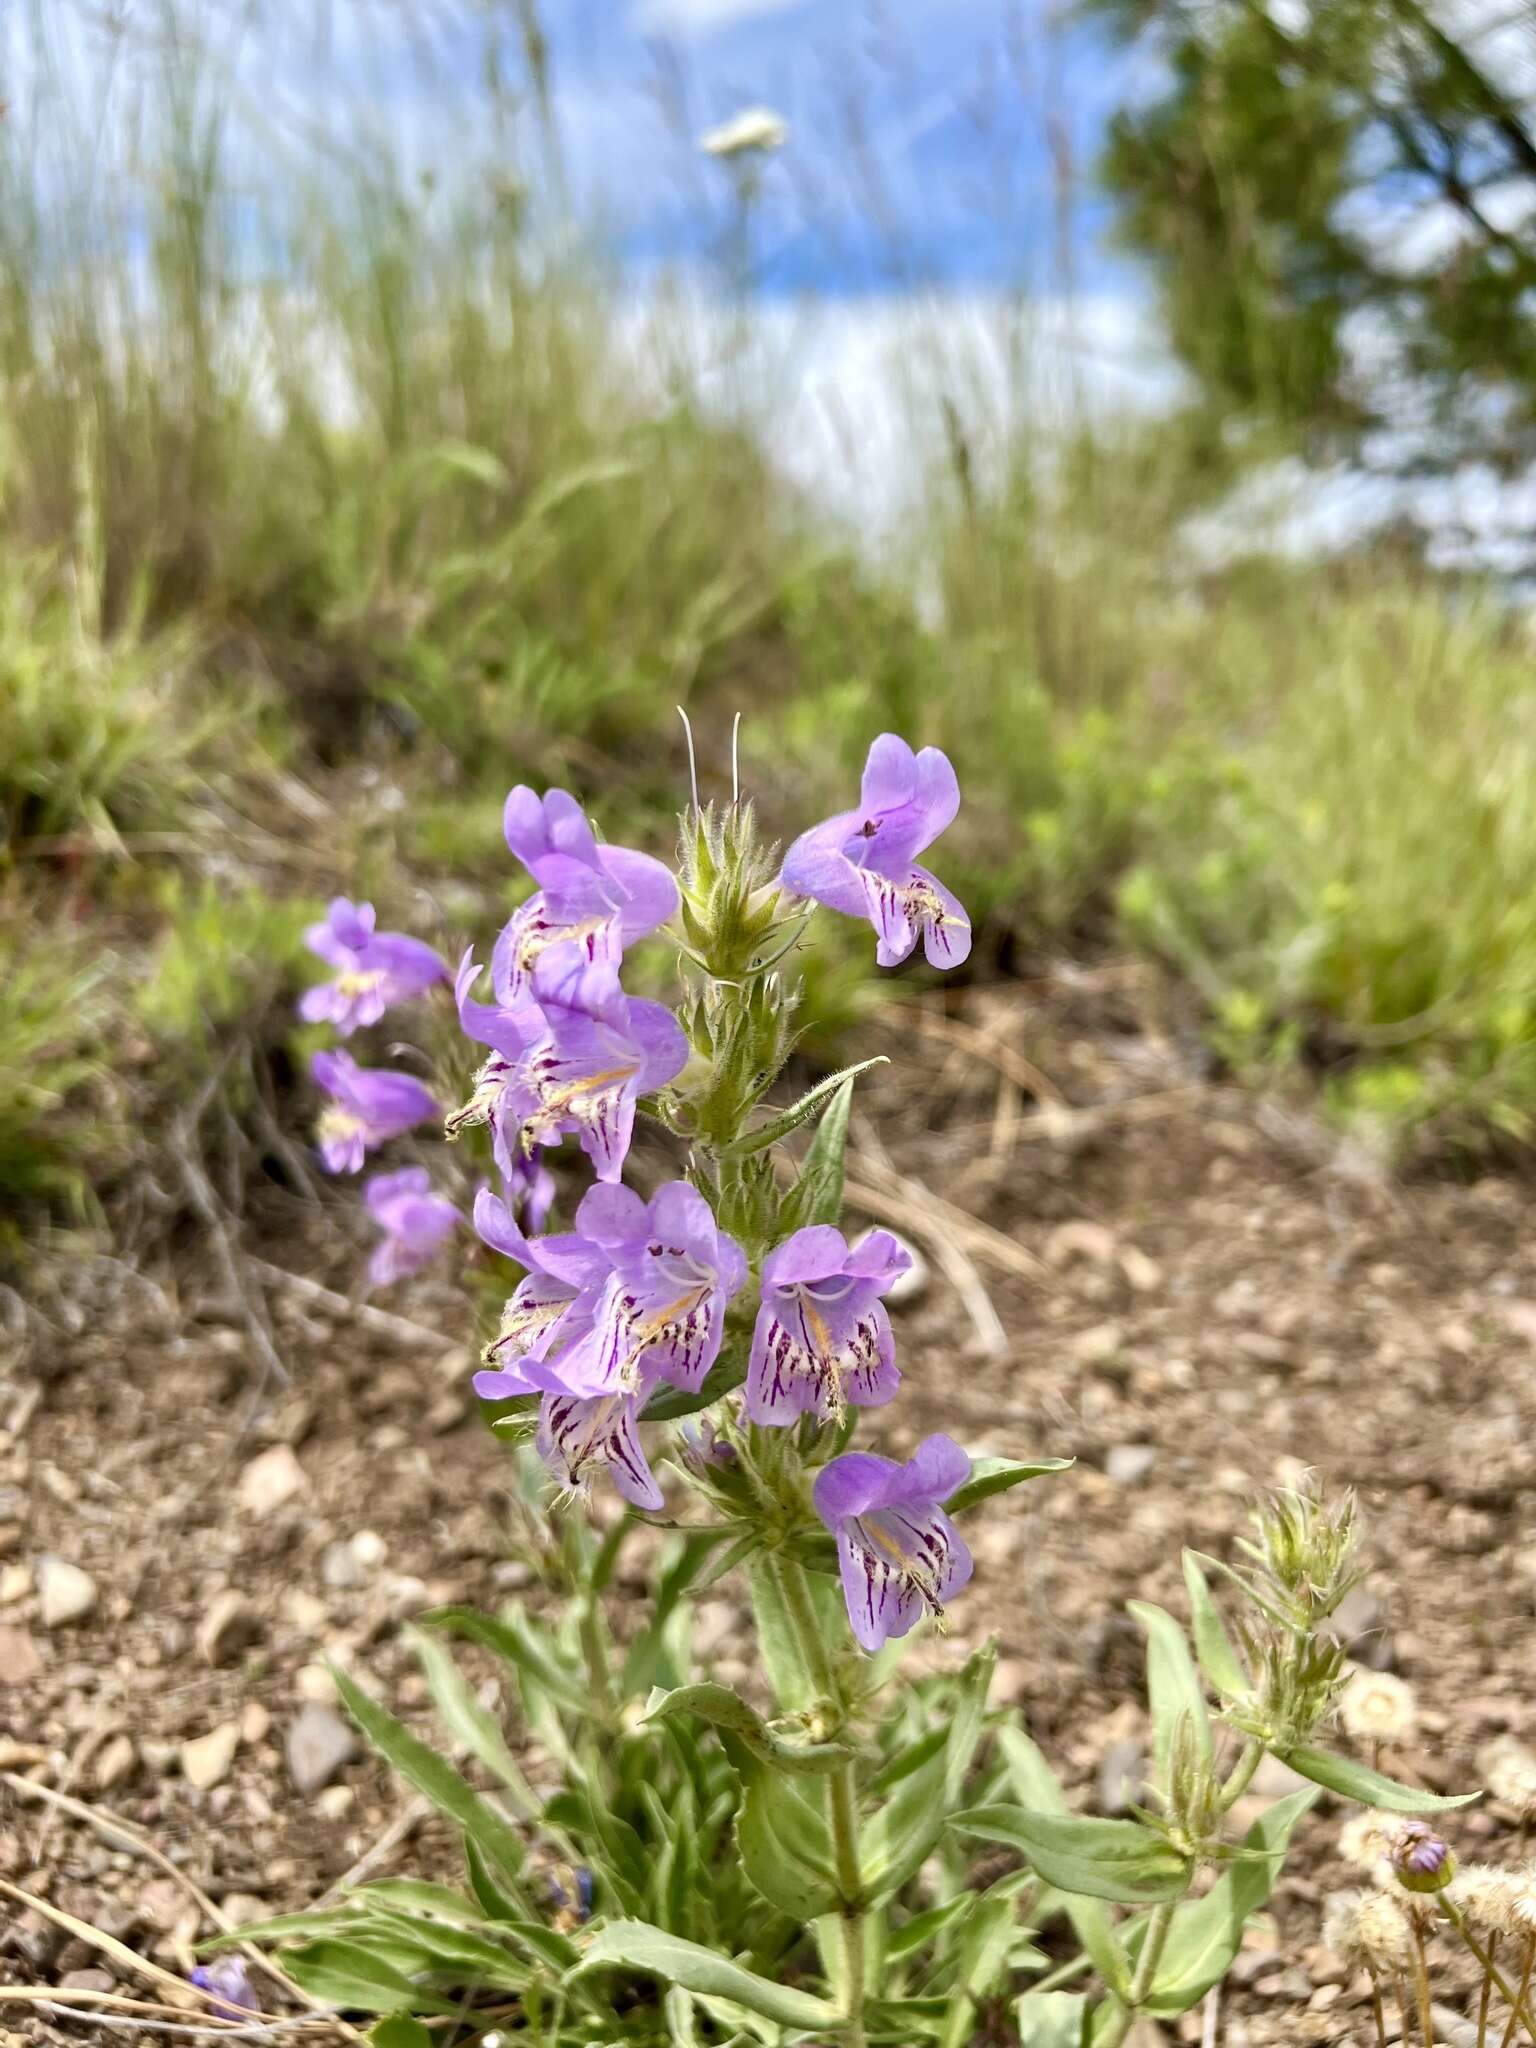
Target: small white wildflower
<point x="1368" y="1929"/>
<point x="1364" y="1838"/>
<point x="753" y="131"/>
<point x="1509" y="1772"/>
<point x="1376" y="1707"/>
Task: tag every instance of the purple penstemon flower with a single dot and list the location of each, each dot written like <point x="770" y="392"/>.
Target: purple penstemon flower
<point x="368" y="1106"/>
<point x="576" y="1058"/>
<point x="414" y="1221"/>
<point x="374" y="969"/>
<point x="863" y="862"/>
<point x="823" y="1337"/>
<point x="898" y="1552"/>
<point x="587" y="894"/>
<point x="662" y="1310"/>
<point x="579" y="1437"/>
<point x="553" y="1303"/>
<point x="228" y="1981"/>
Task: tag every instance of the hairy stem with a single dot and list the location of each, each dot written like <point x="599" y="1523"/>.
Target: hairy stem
<point x="1242" y="1774"/>
<point x="842" y="1795"/>
<point x="1421" y="1985"/>
<point x="1158" y="1924"/>
<point x="1517" y="2006"/>
<point x="1518" y="2001"/>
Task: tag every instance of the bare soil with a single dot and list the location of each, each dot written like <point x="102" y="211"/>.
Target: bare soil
<point x="1192" y="1291"/>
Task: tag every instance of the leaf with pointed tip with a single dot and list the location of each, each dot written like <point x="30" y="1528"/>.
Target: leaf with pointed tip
<point x="1213" y="1646"/>
<point x="1174" y="1692"/>
<point x="1372" y="1788"/>
<point x="1098" y="1859"/>
<point x="634" y="1945"/>
<point x="998" y="1475"/>
<point x="721" y="1708"/>
<point x="799" y="1112"/>
<point x="817" y="1195"/>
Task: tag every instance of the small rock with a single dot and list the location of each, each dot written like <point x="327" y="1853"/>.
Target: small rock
<point x="1144" y="1274"/>
<point x="447" y="1412"/>
<point x="307" y="1613"/>
<point x="270" y="1481"/>
<point x="336" y="1802"/>
<point x="314" y="1683"/>
<point x="205" y="1761"/>
<point x="370" y="1549"/>
<point x="19" y="1661"/>
<point x="1080" y="1240"/>
<point x="255" y="1722"/>
<point x="1129" y="1464"/>
<point x="339" y="1567"/>
<point x="244" y="1908"/>
<point x="88" y="1980"/>
<point x="319" y="1744"/>
<point x="16" y="1756"/>
<point x="1096" y="1346"/>
<point x="16" y="1583"/>
<point x="227" y="1628"/>
<point x="68" y="1593"/>
<point x="116" y="1763"/>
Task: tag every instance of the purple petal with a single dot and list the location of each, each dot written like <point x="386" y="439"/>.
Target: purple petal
<point x="881" y="1600"/>
<point x="645" y="888"/>
<point x="938" y="794"/>
<point x="879" y="1256"/>
<point x="815" y="1253"/>
<point x="612" y="1217"/>
<point x="386" y="1188"/>
<point x="946" y="926"/>
<point x="890" y="777"/>
<point x="509" y="1032"/>
<point x="868" y="1360"/>
<point x="680" y="1216"/>
<point x="782" y="1382"/>
<point x="606" y="1133"/>
<point x="816" y="866"/>
<point x="409" y="963"/>
<point x="888" y="909"/>
<point x="846" y="1486"/>
<point x="934" y="1471"/>
<point x="661" y="1040"/>
<point x="576" y="1436"/>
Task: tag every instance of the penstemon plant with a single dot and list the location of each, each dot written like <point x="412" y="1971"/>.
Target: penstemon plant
<point x="685" y="1862"/>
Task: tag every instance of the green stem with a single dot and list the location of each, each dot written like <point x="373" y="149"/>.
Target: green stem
<point x="1158" y="1923"/>
<point x="1242" y="1774"/>
<point x="842" y="1795"/>
<point x="1516" y="2000"/>
<point x="1421" y="1985"/>
<point x="1525" y="1985"/>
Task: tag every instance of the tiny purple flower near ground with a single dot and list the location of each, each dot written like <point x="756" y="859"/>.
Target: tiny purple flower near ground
<point x="898" y="1552"/>
<point x="863" y="862"/>
<point x="228" y="1979"/>
<point x="552" y="1303"/>
<point x="375" y="969"/>
<point x="578" y="1438"/>
<point x="368" y="1106"/>
<point x="414" y="1221"/>
<point x="599" y="897"/>
<point x="823" y="1337"/>
<point x="662" y="1311"/>
<point x="575" y="1059"/>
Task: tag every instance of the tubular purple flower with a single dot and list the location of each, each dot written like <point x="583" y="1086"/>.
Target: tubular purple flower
<point x="823" y="1337"/>
<point x="601" y="898"/>
<point x="863" y="862"/>
<point x="368" y="1106"/>
<point x="508" y="1034"/>
<point x="375" y="969"/>
<point x="415" y="1223"/>
<point x="577" y="1438"/>
<point x="662" y="1310"/>
<point x="898" y="1552"/>
<point x="553" y="1303"/>
<point x="228" y="1980"/>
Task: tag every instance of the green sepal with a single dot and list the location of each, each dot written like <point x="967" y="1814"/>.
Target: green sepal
<point x="999" y="1475"/>
<point x="1372" y="1788"/>
<point x="635" y="1945"/>
<point x="1098" y="1859"/>
<point x="721" y="1708"/>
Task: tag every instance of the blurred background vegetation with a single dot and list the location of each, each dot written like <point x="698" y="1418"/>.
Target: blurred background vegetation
<point x="332" y="502"/>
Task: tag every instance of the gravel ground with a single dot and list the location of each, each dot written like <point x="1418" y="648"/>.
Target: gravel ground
<point x="1194" y="1293"/>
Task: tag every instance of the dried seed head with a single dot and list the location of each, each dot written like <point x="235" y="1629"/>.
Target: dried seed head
<point x="1522" y="1886"/>
<point x="1365" y="1838"/>
<point x="1420" y="1860"/>
<point x="1376" y="1707"/>
<point x="1509" y="1772"/>
<point x="1368" y="1930"/>
<point x="1486" y="1898"/>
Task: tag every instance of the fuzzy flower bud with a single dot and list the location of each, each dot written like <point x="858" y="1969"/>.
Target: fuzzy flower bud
<point x="1376" y="1707"/>
<point x="1368" y="1930"/>
<point x="1421" y="1861"/>
<point x="1486" y="1899"/>
<point x="1365" y="1839"/>
<point x="1509" y="1772"/>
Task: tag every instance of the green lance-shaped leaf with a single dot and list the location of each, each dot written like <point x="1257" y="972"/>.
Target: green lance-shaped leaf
<point x="721" y="1708"/>
<point x="1371" y="1788"/>
<point x="798" y="1113"/>
<point x="901" y="1833"/>
<point x="817" y="1195"/>
<point x="470" y="1723"/>
<point x="998" y="1475"/>
<point x="346" y="1974"/>
<point x="437" y="1780"/>
<point x="1213" y="1646"/>
<point x="1099" y="1859"/>
<point x="1174" y="1691"/>
<point x="784" y="1841"/>
<point x="1036" y="1786"/>
<point x="1051" y="2019"/>
<point x="1206" y="1933"/>
<point x="634" y="1945"/>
